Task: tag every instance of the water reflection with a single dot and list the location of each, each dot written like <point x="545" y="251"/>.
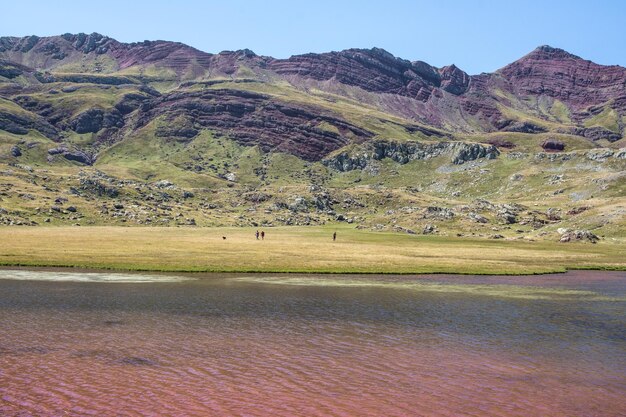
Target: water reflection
<point x="304" y="345"/>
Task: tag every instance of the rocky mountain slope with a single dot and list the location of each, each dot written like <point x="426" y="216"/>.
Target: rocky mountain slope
<point x="355" y="135"/>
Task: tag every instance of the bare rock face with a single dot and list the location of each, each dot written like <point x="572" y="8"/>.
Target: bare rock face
<point x="256" y="119"/>
<point x="21" y="123"/>
<point x="453" y="80"/>
<point x="594" y="133"/>
<point x="77" y="155"/>
<point x="93" y="120"/>
<point x="405" y="152"/>
<point x="558" y="74"/>
<point x="370" y="69"/>
<point x="131" y="102"/>
<point x="10" y="69"/>
<point x="471" y="151"/>
<point x="521" y="127"/>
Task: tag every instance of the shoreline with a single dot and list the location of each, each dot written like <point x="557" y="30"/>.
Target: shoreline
<point x="90" y="269"/>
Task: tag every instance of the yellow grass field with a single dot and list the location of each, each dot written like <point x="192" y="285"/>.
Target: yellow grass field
<point x="294" y="249"/>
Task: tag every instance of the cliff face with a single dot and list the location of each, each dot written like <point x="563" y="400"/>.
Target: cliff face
<point x="254" y="119"/>
<point x="402" y="153"/>
<point x="373" y="70"/>
<point x="308" y="105"/>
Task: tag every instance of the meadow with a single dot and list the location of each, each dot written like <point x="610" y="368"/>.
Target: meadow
<point x="295" y="249"/>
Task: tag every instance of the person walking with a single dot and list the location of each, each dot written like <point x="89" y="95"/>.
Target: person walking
<point x="262" y="234"/>
<point x="257" y="235"/>
<point x="334" y="236"/>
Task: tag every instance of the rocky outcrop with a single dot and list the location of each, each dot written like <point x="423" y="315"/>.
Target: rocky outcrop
<point x="87" y="79"/>
<point x="93" y="120"/>
<point x="521" y="127"/>
<point x="12" y="70"/>
<point x="20" y="123"/>
<point x="132" y="101"/>
<point x="404" y="152"/>
<point x="77" y="155"/>
<point x="594" y="133"/>
<point x="89" y="43"/>
<point x="96" y="186"/>
<point x="603" y="154"/>
<point x="471" y="151"/>
<point x="178" y="129"/>
<point x="454" y="80"/>
<point x="577" y="235"/>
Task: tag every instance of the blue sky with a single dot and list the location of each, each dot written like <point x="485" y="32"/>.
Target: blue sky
<point x="478" y="36"/>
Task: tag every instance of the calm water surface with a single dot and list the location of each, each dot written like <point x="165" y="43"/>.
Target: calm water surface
<point x="81" y="343"/>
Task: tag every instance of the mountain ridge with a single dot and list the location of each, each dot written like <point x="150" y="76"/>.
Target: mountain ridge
<point x="572" y="91"/>
<point x="131" y="133"/>
<point x="95" y="42"/>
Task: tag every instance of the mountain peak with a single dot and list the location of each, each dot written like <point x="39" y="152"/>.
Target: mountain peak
<point x="549" y="52"/>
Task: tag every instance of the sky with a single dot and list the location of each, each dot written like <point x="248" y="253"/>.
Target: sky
<point x="478" y="36"/>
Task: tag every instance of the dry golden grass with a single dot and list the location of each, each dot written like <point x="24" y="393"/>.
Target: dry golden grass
<point x="293" y="249"/>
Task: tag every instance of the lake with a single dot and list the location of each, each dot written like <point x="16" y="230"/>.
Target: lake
<point x="79" y="343"/>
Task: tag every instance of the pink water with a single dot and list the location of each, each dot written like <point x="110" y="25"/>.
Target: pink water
<point x="226" y="345"/>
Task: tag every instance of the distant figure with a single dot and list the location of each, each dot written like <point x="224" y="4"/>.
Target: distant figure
<point x="257" y="235"/>
<point x="224" y="237"/>
<point x="334" y="236"/>
<point x="262" y="234"/>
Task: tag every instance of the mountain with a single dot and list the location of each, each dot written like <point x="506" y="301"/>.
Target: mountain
<point x="245" y="126"/>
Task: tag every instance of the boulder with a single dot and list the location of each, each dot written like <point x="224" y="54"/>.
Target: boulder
<point x="298" y="204"/>
<point x="477" y="218"/>
<point x="16" y="151"/>
<point x="164" y="184"/>
<point x="429" y="229"/>
<point x="553" y="145"/>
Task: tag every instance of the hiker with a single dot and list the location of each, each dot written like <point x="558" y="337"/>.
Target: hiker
<point x="257" y="235"/>
<point x="262" y="234"/>
<point x="334" y="236"/>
